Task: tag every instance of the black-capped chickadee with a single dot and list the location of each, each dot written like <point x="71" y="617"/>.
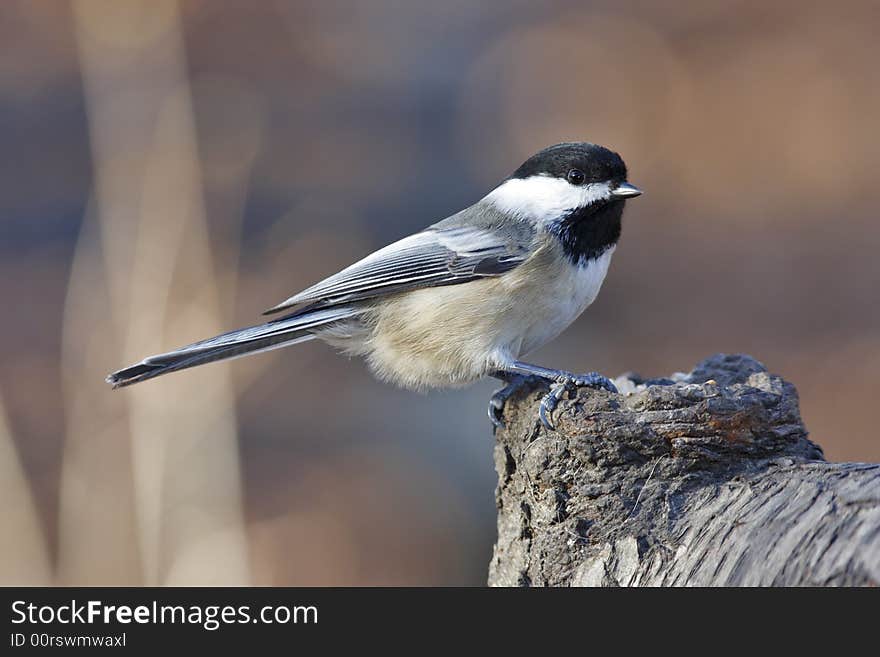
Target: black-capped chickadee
<point x="466" y="297"/>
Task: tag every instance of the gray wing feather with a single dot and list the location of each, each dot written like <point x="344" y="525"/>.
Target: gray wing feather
<point x="447" y="253"/>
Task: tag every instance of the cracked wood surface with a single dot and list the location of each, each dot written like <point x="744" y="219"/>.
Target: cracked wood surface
<point x="703" y="479"/>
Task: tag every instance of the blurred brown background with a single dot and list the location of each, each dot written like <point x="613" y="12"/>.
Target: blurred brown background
<point x="170" y="169"/>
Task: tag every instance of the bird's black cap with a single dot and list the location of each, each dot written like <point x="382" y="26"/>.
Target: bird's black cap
<point x="596" y="162"/>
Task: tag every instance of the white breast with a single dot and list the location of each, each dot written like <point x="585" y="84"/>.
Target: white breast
<point x="562" y="300"/>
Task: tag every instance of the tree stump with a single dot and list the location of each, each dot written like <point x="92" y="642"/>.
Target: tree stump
<point x="704" y="479"/>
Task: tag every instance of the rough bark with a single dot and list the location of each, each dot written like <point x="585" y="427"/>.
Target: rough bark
<point x="702" y="479"/>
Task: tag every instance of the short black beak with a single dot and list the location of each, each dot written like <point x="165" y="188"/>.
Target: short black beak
<point x="625" y="190"/>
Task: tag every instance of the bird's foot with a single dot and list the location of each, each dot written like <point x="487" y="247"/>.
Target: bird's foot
<point x="499" y="399"/>
<point x="569" y="382"/>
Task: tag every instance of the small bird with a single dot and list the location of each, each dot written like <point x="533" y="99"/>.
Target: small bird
<point x="466" y="297"/>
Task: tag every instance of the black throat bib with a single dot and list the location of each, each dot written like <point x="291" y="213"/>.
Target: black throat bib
<point x="586" y="233"/>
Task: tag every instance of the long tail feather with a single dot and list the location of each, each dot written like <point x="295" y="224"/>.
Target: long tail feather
<point x="234" y="344"/>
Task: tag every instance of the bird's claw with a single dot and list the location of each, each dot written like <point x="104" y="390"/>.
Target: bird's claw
<point x="566" y="383"/>
<point x="499" y="399"/>
<point x="496" y="411"/>
<point x="550" y="402"/>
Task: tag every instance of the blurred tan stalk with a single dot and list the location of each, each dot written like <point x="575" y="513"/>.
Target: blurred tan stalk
<point x="24" y="560"/>
<point x="173" y="513"/>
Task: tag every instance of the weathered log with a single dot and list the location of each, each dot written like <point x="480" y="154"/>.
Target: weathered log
<point x="703" y="479"/>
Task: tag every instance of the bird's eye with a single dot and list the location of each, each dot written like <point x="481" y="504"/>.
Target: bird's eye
<point x="576" y="177"/>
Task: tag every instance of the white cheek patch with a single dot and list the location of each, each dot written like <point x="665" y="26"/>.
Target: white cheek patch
<point x="544" y="198"/>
